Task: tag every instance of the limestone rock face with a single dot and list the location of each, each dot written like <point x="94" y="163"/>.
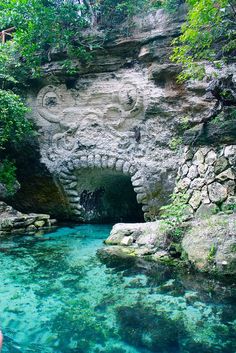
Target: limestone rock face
<point x="211" y="244"/>
<point x="118" y="115"/>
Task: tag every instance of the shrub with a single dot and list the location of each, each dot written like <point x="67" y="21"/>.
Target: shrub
<point x="13" y="124"/>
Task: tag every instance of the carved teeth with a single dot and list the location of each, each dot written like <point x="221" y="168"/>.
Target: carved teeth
<point x="72" y="193"/>
<point x="141" y="198"/>
<point x="132" y="170"/>
<point x="119" y="165"/>
<point x="73" y="177"/>
<point x="139" y="190"/>
<point x="65" y="170"/>
<point x="137" y="182"/>
<point x="75" y="200"/>
<point x="84" y="162"/>
<point x="66" y="176"/>
<point x="66" y="181"/>
<point x="73" y="185"/>
<point x="77" y="213"/>
<point x="97" y="161"/>
<point x="126" y="168"/>
<point x="104" y="161"/>
<point x="77" y="208"/>
<point x="111" y="162"/>
<point x="145" y="208"/>
<point x="136" y="176"/>
<point x="91" y="161"/>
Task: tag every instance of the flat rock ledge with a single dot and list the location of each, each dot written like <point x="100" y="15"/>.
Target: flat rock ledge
<point x="13" y="222"/>
<point x="150" y="241"/>
<point x="206" y="245"/>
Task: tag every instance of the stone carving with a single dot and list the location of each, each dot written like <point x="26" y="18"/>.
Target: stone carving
<point x="69" y="180"/>
<point x="80" y="116"/>
<point x="58" y="105"/>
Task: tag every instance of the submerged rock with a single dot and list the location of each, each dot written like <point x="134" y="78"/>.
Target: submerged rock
<point x="136" y="328"/>
<point x="117" y="256"/>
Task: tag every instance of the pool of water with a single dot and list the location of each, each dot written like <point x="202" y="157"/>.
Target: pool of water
<point x="56" y="296"/>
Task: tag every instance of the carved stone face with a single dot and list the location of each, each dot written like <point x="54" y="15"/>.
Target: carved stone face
<point x="108" y="121"/>
<point x="110" y="104"/>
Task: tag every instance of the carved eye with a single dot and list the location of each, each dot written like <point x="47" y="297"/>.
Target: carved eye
<point x="50" y="100"/>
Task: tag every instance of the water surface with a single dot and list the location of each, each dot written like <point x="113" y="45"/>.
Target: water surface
<point x="56" y="296"/>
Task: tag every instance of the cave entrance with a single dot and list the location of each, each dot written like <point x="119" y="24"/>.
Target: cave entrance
<point x="107" y="196"/>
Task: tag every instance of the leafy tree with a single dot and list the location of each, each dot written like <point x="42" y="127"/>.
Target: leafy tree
<point x="209" y="34"/>
<point x="13" y="128"/>
<point x="46" y="25"/>
<point x="13" y="125"/>
<point x="41" y="28"/>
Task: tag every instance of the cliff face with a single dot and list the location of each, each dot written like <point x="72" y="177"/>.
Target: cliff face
<point x="111" y="131"/>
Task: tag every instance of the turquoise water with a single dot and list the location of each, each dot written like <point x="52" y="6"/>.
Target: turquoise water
<point x="56" y="296"/>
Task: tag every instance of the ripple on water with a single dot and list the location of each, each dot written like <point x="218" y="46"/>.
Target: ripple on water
<point x="56" y="296"/>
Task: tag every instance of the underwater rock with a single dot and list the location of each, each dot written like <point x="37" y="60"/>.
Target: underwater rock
<point x="136" y="328"/>
<point x="117" y="256"/>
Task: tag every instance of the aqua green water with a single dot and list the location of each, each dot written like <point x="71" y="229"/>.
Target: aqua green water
<point x="56" y="296"/>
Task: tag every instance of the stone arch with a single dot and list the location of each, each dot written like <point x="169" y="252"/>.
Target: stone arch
<point x="69" y="180"/>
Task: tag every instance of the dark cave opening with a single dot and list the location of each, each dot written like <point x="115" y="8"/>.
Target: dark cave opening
<point x="107" y="196"/>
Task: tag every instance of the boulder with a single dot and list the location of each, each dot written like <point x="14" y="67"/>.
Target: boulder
<point x="220" y="165"/>
<point x="117" y="256"/>
<point x="196" y="199"/>
<point x="15" y="222"/>
<point x="228" y="174"/>
<point x="217" y="192"/>
<point x="148" y="235"/>
<point x="210" y="244"/>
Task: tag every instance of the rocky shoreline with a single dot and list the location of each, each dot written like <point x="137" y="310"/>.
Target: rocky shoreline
<point x="206" y="245"/>
<point x="13" y="222"/>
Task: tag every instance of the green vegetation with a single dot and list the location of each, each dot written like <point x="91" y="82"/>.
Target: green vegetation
<point x="174" y="213"/>
<point x="212" y="253"/>
<point x="13" y="125"/>
<point x="209" y="34"/>
<point x="13" y="128"/>
<point x="42" y="27"/>
<point x="175" y="142"/>
<point x="46" y="26"/>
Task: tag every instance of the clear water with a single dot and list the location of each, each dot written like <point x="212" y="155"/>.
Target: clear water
<point x="56" y="296"/>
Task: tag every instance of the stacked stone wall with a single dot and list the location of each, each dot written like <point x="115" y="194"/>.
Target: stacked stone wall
<point x="207" y="175"/>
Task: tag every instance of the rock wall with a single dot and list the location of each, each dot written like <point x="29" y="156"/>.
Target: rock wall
<point x="207" y="175"/>
<point x="122" y="113"/>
